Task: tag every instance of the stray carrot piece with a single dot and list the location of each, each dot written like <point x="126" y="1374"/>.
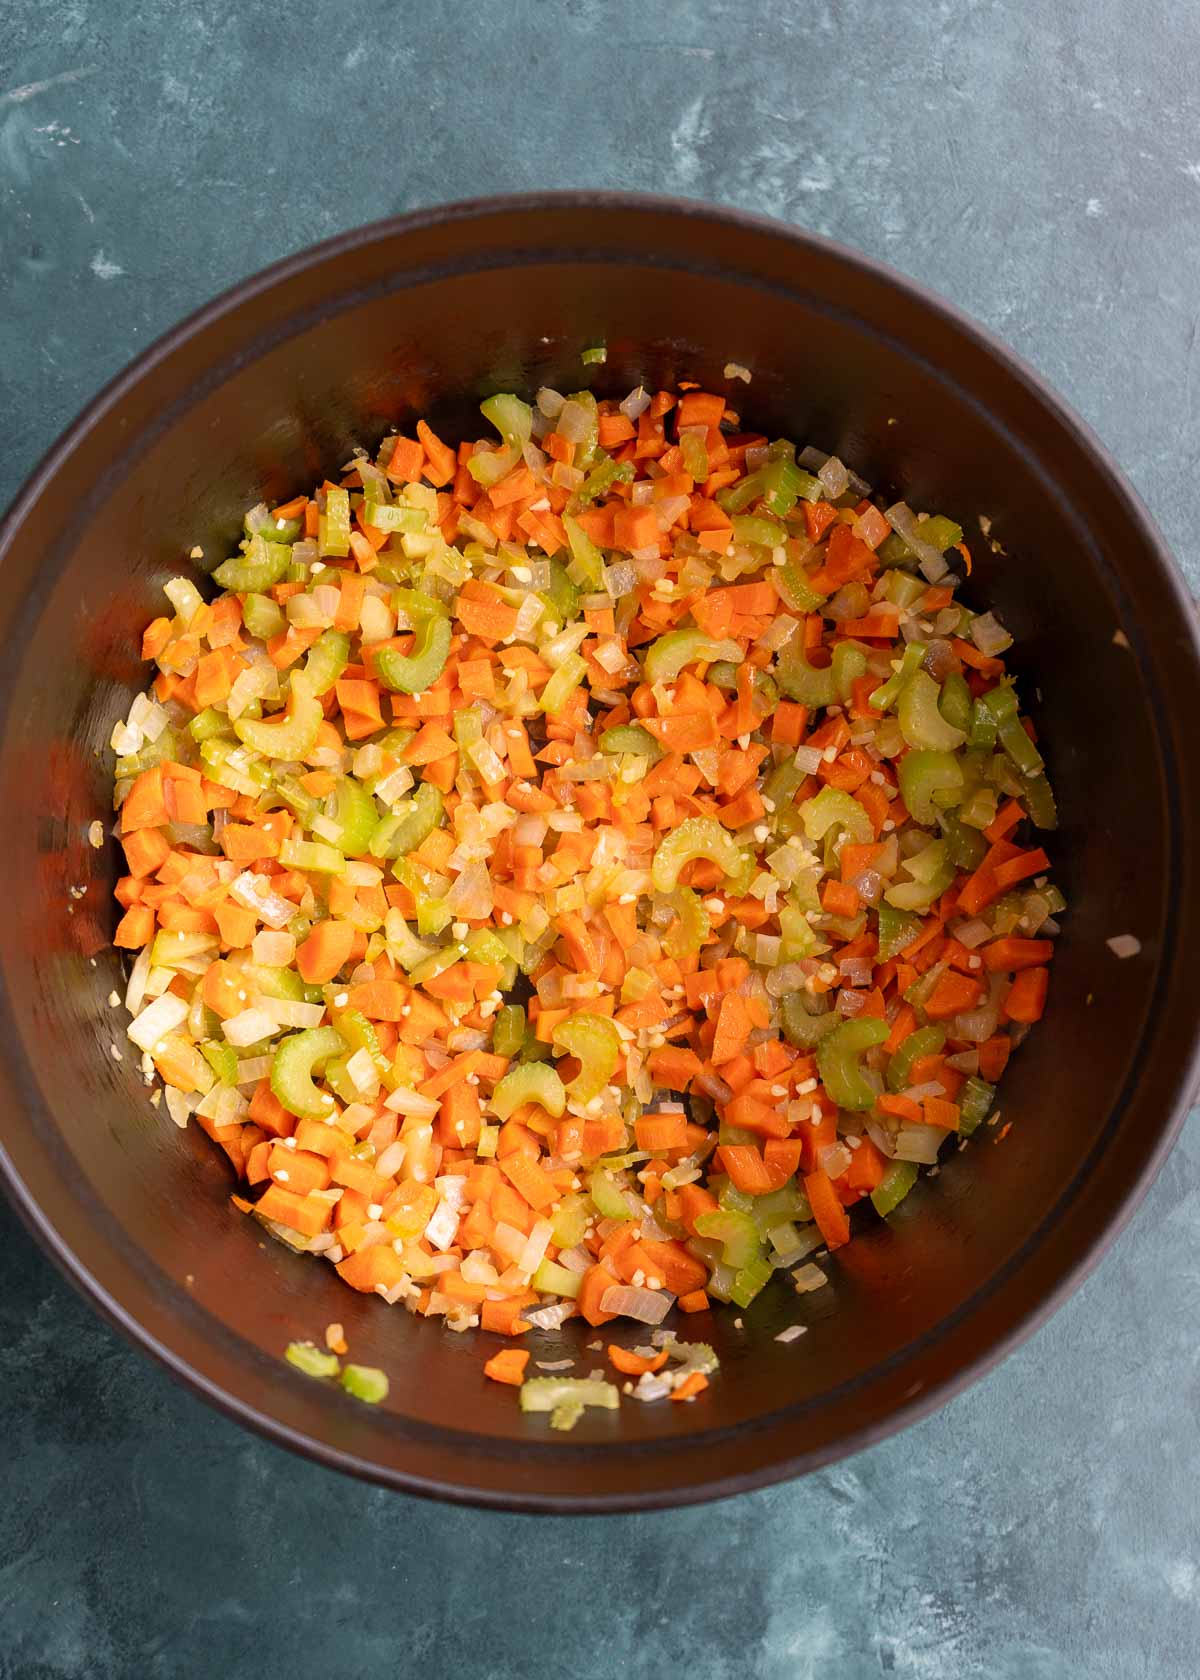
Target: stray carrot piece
<point x="633" y="1364"/>
<point x="508" y="1366"/>
<point x="690" y="1387"/>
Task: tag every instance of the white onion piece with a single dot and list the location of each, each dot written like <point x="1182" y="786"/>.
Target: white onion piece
<point x="647" y="1306"/>
<point x="635" y="404"/>
<point x="919" y="1143"/>
<point x="929" y="558"/>
<point x="162" y="1016"/>
<point x="248" y="1027"/>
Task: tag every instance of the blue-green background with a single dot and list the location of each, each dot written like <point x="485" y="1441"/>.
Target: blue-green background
<point x="1038" y="162"/>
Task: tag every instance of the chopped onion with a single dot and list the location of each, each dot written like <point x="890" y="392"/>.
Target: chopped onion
<point x="248" y="1027"/>
<point x="1121" y="945"/>
<point x="807" y="1278"/>
<point x="288" y="1013"/>
<point x="930" y="559"/>
<point x="809" y="759"/>
<point x="574" y="422"/>
<point x="635" y="404"/>
<point x="550" y="402"/>
<point x="919" y="1143"/>
<point x="989" y="635"/>
<point x="273" y="950"/>
<point x="834" y="477"/>
<point x="253" y="892"/>
<point x="549" y="1318"/>
<point x="404" y="1101"/>
<point x="972" y="933"/>
<point x="158" y="1018"/>
<point x="647" y="1306"/>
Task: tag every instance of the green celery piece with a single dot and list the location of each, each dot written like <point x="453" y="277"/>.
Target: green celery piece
<point x="757" y="531"/>
<point x="784" y="483"/>
<point x="631" y="738"/>
<point x="926" y="1041"/>
<point x="838" y="1060"/>
<point x="921" y="723"/>
<point x="750" y="1280"/>
<point x="694" y="449"/>
<point x="530" y="1082"/>
<point x="729" y="1195"/>
<point x="359" y="1034"/>
<point x="569" y="1222"/>
<point x="414" y="672"/>
<point x="260" y="565"/>
<point x="974" y="1103"/>
<point x="310" y="1359"/>
<point x="965" y="847"/>
<point x="291" y="736"/>
<point x="587" y="561"/>
<point x="553" y="1279"/>
<point x="405" y="520"/>
<point x="956" y="703"/>
<point x="779" y="1206"/>
<point x="562" y="597"/>
<point x="333" y="526"/>
<point x="793" y="584"/>
<point x="425" y="808"/>
<point x="513" y="419"/>
<point x="439" y="963"/>
<point x="327" y="659"/>
<point x="357" y="817"/>
<point x="802" y="681"/>
<point x="890" y="691"/>
<point x="925" y="774"/>
<point x="207" y="724"/>
<point x="897" y="929"/>
<point x="548" y="1394"/>
<point x="736" y="498"/>
<point x="834" y="805"/>
<point x="1038" y="798"/>
<point x="737" y="1234"/>
<point x="262" y="617"/>
<point x="1020" y="748"/>
<point x="312" y="855"/>
<point x="696" y="837"/>
<point x="602" y="477"/>
<point x="562" y="684"/>
<point x="897" y="1181"/>
<point x="593" y="1040"/>
<point x="365" y="1382"/>
<point x="799" y="939"/>
<point x="904" y="590"/>
<point x="508" y="1034"/>
<point x="849" y="666"/>
<point x="690" y="928"/>
<point x="612" y="1198"/>
<point x="298" y="1056"/>
<point x="222" y="1059"/>
<point x="667" y="657"/>
<point x="982" y="731"/>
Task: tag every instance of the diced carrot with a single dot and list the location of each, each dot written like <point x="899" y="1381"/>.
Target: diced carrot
<point x="507" y="1366"/>
<point x="827" y="1209"/>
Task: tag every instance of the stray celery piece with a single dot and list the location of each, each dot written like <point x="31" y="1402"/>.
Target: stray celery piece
<point x="310" y="1359"/>
<point x="594" y="354"/>
<point x="365" y="1382"/>
<point x="892" y="1188"/>
<point x="974" y="1101"/>
<point x="260" y="564"/>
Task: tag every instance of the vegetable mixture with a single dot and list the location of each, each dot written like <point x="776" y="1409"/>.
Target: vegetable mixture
<point x="569" y="872"/>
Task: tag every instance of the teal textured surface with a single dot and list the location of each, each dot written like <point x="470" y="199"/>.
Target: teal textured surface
<point x="1039" y="166"/>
